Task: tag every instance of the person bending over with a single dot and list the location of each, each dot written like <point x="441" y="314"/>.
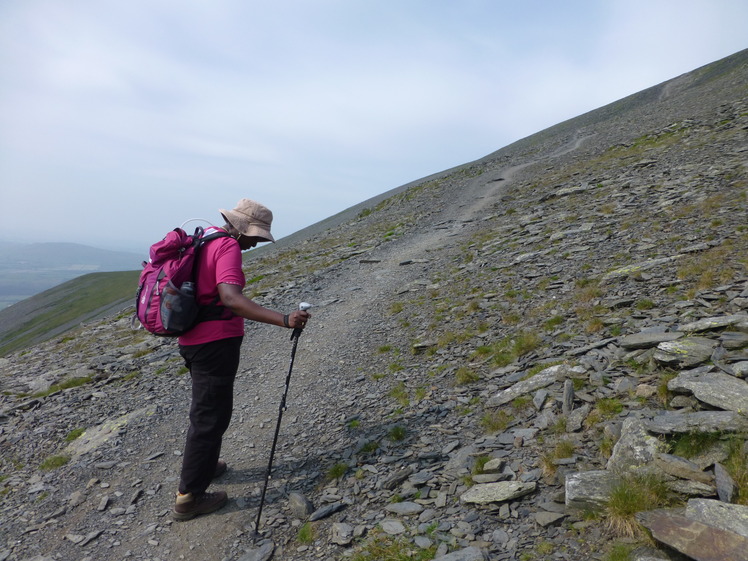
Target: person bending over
<point x="211" y="350"/>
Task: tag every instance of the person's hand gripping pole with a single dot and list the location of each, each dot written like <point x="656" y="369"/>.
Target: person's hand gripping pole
<point x="303" y="307"/>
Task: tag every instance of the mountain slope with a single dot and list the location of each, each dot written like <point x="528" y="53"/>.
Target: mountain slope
<point x="28" y="269"/>
<point x="65" y="306"/>
<point x="488" y="313"/>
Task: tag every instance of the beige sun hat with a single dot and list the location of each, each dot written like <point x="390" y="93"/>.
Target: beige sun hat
<point x="250" y="218"/>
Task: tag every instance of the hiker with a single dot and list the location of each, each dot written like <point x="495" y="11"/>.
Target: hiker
<point x="211" y="351"/>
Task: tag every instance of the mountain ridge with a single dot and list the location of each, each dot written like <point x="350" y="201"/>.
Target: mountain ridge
<point x="491" y="350"/>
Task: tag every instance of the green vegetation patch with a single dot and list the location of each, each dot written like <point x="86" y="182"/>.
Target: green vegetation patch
<point x="306" y="534"/>
<point x="74" y="434"/>
<point x="504" y="352"/>
<point x="68" y="304"/>
<point x="54" y="462"/>
<point x="495" y="421"/>
<point x="337" y="471"/>
<point x="635" y="493"/>
<point x="67" y="384"/>
<point x="385" y="548"/>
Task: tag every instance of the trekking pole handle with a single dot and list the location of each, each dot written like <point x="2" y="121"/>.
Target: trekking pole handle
<point x="303" y="306"/>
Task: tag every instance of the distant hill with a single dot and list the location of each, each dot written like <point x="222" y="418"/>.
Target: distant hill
<point x="62" y="307"/>
<point x="28" y="269"/>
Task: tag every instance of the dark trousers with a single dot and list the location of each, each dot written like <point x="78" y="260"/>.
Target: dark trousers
<point x="213" y="367"/>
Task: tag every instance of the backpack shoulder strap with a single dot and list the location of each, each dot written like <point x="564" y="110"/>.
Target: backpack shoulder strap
<point x="200" y="240"/>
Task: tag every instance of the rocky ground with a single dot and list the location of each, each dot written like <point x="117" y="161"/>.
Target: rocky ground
<point x="492" y="352"/>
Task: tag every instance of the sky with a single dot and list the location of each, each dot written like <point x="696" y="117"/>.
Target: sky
<point x="120" y="120"/>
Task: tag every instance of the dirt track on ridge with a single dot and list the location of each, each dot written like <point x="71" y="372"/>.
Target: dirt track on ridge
<point x="325" y="386"/>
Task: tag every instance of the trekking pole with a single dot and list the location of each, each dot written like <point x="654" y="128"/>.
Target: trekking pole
<point x="295" y="338"/>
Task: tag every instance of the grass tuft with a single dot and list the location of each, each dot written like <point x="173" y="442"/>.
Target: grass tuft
<point x="400" y="394"/>
<point x="495" y="421"/>
<point x="397" y="433"/>
<point x="690" y="445"/>
<point x="74" y="434"/>
<point x="465" y="375"/>
<point x="562" y="449"/>
<point x="635" y="493"/>
<point x="737" y="466"/>
<point x="54" y="462"/>
<point x="619" y="552"/>
<point x="67" y="384"/>
<point x="337" y="471"/>
<point x="386" y="548"/>
<point x="306" y="533"/>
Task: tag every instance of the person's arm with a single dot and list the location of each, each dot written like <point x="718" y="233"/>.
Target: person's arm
<point x="232" y="297"/>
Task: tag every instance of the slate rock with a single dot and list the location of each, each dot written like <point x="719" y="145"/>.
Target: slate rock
<point x="691" y="488"/>
<point x="733" y="340"/>
<point x="392" y="526"/>
<point x="567" y="402"/>
<point x="685" y="353"/>
<point x="647" y="340"/>
<point x="589" y="490"/>
<point x="636" y="449"/>
<point x="714" y="388"/>
<point x="300" y="506"/>
<point x="423" y="542"/>
<point x="326" y="511"/>
<point x="717" y="513"/>
<point x="261" y="553"/>
<point x="545" y="519"/>
<point x="540" y="380"/>
<point x="341" y="533"/>
<point x="726" y="486"/>
<point x="645" y="553"/>
<point x="404" y="508"/>
<point x="636" y="268"/>
<point x="740" y="369"/>
<point x="697" y="540"/>
<point x="680" y="467"/>
<point x="497" y="492"/>
<point x="489" y="477"/>
<point x="539" y="399"/>
<point x="575" y="420"/>
<point x="397" y="478"/>
<point x="672" y="422"/>
<point x="467" y="554"/>
<point x="710" y="324"/>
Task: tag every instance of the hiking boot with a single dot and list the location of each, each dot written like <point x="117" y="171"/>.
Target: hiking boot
<point x="221" y="468"/>
<point x="188" y="506"/>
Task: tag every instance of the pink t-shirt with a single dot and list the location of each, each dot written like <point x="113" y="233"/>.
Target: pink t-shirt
<point x="219" y="261"/>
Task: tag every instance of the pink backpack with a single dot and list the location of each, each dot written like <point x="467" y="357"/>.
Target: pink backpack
<point x="165" y="303"/>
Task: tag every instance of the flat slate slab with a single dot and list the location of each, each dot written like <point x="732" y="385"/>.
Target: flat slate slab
<point x="715" y="388"/>
<point x="697" y="540"/>
<point x="727" y="516"/>
<point x="673" y="422"/>
<point x="589" y="490"/>
<point x="540" y="380"/>
<point x="648" y="340"/>
<point x="497" y="492"/>
<point x="685" y="353"/>
<point x="718" y="322"/>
